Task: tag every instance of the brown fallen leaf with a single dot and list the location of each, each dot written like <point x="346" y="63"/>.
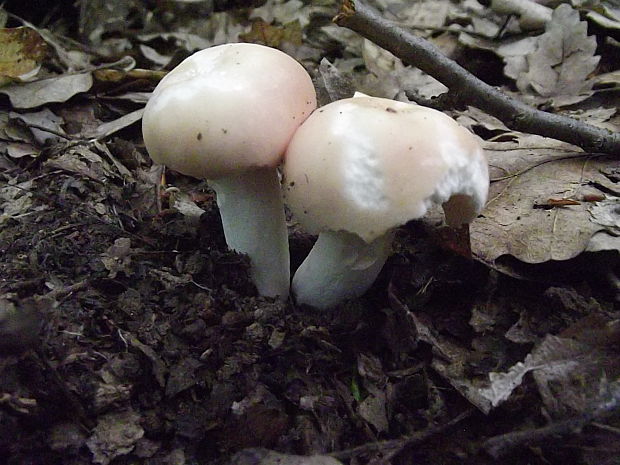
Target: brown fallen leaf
<point x="21" y="52"/>
<point x="273" y="36"/>
<point x="564" y="58"/>
<point x="531" y="179"/>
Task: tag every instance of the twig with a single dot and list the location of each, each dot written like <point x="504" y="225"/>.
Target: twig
<point x="394" y="446"/>
<point x="610" y="405"/>
<point x="65" y="290"/>
<point x="48" y="130"/>
<point x="468" y="89"/>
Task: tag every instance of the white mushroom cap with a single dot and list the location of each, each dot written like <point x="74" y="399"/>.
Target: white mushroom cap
<point x="366" y="165"/>
<point x="227" y="114"/>
<point x="227" y="109"/>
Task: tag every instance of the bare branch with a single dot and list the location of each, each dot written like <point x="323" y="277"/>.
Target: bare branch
<point x="468" y="89"/>
<point x="601" y="409"/>
<point x="394" y="446"/>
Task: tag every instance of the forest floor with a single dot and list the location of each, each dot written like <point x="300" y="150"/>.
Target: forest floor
<point x="130" y="334"/>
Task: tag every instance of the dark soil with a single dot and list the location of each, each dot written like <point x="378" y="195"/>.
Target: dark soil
<point x="176" y="345"/>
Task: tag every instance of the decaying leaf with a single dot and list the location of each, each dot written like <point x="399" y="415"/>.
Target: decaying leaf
<point x="115" y="435"/>
<point x="547" y="201"/>
<point x="93" y="160"/>
<point x="21" y="52"/>
<point x="268" y="457"/>
<point x="606" y="14"/>
<point x="531" y="14"/>
<point x="283" y="12"/>
<point x="117" y="257"/>
<point x="389" y="77"/>
<point x="42" y="119"/>
<point x="93" y="24"/>
<point x="564" y="58"/>
<point x="190" y="42"/>
<point x="570" y="369"/>
<point x="373" y="410"/>
<point x="56" y="89"/>
<point x="15" y="200"/>
<point x="451" y="362"/>
<point x="182" y="376"/>
<point x="273" y="36"/>
<point x="332" y="84"/>
<point x="528" y="214"/>
<point x="110" y="127"/>
<point x="430" y="13"/>
<point x="183" y="203"/>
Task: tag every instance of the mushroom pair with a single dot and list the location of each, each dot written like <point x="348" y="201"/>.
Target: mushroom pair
<point x="354" y="170"/>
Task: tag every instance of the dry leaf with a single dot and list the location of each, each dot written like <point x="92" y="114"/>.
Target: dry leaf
<point x="606" y="14"/>
<point x="531" y="14"/>
<point x="115" y="435"/>
<point x="56" y="89"/>
<point x="190" y="42"/>
<point x="21" y="149"/>
<point x="513" y="51"/>
<point x="558" y="69"/>
<point x="15" y="200"/>
<point x="451" y="362"/>
<point x="284" y="12"/>
<point x="332" y="84"/>
<point x="273" y="36"/>
<point x="373" y="409"/>
<point x="268" y="457"/>
<point x="547" y="200"/>
<point x="388" y="75"/>
<point x="117" y="258"/>
<point x="153" y="55"/>
<point x="568" y="369"/>
<point x="108" y="128"/>
<point x="518" y="219"/>
<point x="98" y="17"/>
<point x="45" y="119"/>
<point x="595" y="116"/>
<point x="431" y="13"/>
<point x="21" y="52"/>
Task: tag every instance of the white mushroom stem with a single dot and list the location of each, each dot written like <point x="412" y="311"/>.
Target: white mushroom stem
<point x="340" y="266"/>
<point x="252" y="214"/>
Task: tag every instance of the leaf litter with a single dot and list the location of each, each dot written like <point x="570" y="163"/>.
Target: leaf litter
<point x="153" y="345"/>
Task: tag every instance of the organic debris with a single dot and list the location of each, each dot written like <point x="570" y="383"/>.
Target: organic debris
<point x="129" y="333"/>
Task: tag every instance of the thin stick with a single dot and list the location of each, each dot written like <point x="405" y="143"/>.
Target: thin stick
<point x="467" y="89"/>
<point x="394" y="446"/>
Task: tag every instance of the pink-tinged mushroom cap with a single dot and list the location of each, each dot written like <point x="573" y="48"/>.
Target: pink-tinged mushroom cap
<point x="227" y="109"/>
<point x="366" y="165"/>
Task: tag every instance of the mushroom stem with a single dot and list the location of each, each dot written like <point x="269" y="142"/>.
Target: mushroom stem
<point x="252" y="214"/>
<point x="340" y="266"/>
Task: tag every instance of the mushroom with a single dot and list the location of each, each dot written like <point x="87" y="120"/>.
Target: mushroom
<point x="360" y="167"/>
<point x="227" y="114"/>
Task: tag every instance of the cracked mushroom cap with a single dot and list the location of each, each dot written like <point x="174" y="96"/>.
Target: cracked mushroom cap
<point x="227" y="109"/>
<point x="366" y="165"/>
